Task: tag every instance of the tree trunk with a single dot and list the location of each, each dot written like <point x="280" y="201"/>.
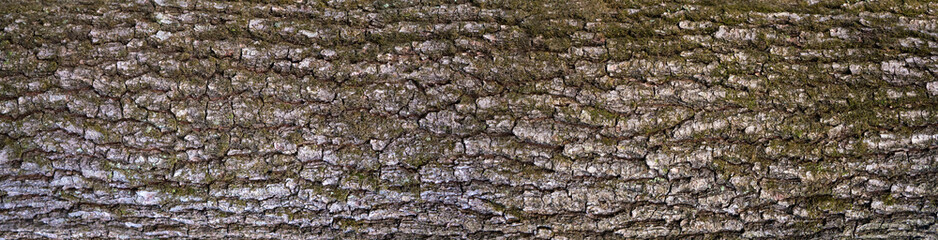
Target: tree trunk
<point x="468" y="119"/>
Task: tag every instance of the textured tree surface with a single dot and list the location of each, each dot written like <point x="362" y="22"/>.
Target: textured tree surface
<point x="468" y="119"/>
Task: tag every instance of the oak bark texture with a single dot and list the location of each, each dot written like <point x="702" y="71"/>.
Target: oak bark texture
<point x="468" y="119"/>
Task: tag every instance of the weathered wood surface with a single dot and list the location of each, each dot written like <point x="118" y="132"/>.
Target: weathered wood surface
<point x="468" y="119"/>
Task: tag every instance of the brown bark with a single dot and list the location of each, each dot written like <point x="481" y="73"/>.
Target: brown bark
<point x="468" y="119"/>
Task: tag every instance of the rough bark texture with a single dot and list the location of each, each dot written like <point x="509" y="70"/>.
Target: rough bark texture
<point x="468" y="119"/>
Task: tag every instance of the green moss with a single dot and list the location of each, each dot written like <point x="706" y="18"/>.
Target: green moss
<point x="730" y="169"/>
<point x="531" y="172"/>
<point x="888" y="199"/>
<point x="365" y="179"/>
<point x="411" y="186"/>
<point x="808" y="227"/>
<point x="336" y="193"/>
<point x="601" y="114"/>
<point x="558" y="44"/>
<point x="14" y="149"/>
<point x="770" y="184"/>
<point x="122" y="210"/>
<point x="222" y="145"/>
<point x="350" y="224"/>
<point x="548" y="28"/>
<point x="818" y="168"/>
<point x="828" y="203"/>
<point x="419" y="161"/>
<point x="510" y="210"/>
<point x="392" y="39"/>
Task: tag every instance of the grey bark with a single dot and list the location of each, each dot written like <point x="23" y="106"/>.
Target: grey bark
<point x="468" y="119"/>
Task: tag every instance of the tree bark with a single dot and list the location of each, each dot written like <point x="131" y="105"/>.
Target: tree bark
<point x="565" y="119"/>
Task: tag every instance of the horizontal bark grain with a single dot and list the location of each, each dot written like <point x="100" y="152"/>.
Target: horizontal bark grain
<point x="468" y="119"/>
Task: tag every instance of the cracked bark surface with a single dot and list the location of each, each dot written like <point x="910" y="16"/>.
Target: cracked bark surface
<point x="468" y="119"/>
